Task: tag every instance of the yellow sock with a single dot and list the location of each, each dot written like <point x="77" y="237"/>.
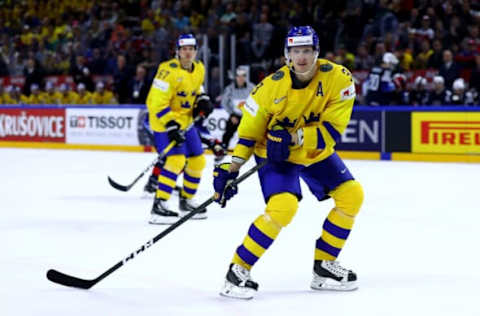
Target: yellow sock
<point x="261" y="235"/>
<point x="336" y="229"/>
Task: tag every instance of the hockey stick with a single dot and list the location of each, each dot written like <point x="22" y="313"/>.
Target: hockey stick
<point x="164" y="152"/>
<point x="68" y="280"/>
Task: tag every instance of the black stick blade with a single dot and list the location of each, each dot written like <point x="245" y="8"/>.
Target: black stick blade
<point x="118" y="186"/>
<point x="68" y="280"/>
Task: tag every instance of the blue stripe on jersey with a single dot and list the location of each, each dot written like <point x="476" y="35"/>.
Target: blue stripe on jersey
<point x="333" y="132"/>
<point x="163" y="112"/>
<point x="164" y="188"/>
<point x="168" y="174"/>
<point x="190" y="178"/>
<point x="335" y="230"/>
<point x="188" y="190"/>
<point x="322" y="245"/>
<point x="246" y="142"/>
<point x="320" y="140"/>
<point x="246" y="255"/>
<point x="259" y="237"/>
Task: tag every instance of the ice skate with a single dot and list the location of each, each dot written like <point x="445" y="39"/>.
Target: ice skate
<point x="329" y="275"/>
<point x="238" y="283"/>
<point x="188" y="205"/>
<point x="150" y="187"/>
<point x="162" y="213"/>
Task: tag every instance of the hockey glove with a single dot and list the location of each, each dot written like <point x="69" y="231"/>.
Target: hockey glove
<point x="278" y="142"/>
<point x="221" y="183"/>
<point x="217" y="148"/>
<point x="175" y="133"/>
<point x="204" y="107"/>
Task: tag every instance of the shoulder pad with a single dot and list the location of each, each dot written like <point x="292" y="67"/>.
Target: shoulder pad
<point x="278" y="75"/>
<point x="326" y="67"/>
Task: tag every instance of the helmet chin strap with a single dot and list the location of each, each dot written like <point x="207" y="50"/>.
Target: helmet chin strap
<point x="290" y="66"/>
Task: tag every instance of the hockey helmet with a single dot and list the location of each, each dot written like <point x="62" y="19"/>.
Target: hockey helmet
<point x="186" y="40"/>
<point x="301" y="36"/>
<point x="389" y="58"/>
<point x="459" y="84"/>
<point x="438" y="80"/>
<point x="420" y="82"/>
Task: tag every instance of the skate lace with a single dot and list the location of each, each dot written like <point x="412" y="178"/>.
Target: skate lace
<point x="165" y="204"/>
<point x="336" y="268"/>
<point x="241" y="273"/>
<point x="193" y="202"/>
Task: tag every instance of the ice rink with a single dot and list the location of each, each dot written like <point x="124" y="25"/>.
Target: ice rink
<point x="415" y="245"/>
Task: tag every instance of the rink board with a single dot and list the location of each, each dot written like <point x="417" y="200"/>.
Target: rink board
<point x="442" y="133"/>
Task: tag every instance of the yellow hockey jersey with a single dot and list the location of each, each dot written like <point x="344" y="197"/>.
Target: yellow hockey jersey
<point x="34" y="99"/>
<point x="3" y="98"/>
<point x="7" y="99"/>
<point x="173" y="93"/>
<point x="86" y="98"/>
<point x="67" y="98"/>
<point x="106" y="97"/>
<point x="322" y="109"/>
<point x="51" y="98"/>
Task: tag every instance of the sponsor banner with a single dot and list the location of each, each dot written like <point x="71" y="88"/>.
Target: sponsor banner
<point x="32" y="125"/>
<point x="446" y="132"/>
<point x="216" y="123"/>
<point x="109" y="126"/>
<point x="364" y="132"/>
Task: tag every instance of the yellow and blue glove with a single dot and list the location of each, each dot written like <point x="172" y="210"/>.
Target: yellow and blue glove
<point x="278" y="142"/>
<point x="221" y="180"/>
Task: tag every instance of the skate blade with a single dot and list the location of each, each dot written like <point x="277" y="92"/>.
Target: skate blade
<point x="324" y="284"/>
<point x="232" y="291"/>
<point x="163" y="220"/>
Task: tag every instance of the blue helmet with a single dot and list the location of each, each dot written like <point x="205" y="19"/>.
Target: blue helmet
<point x="301" y="36"/>
<point x="186" y="40"/>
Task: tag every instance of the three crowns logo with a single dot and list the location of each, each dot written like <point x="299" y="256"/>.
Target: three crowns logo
<point x="286" y="122"/>
<point x="312" y="118"/>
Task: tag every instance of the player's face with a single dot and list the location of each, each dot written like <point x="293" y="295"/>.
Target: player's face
<point x="302" y="58"/>
<point x="241" y="79"/>
<point x="187" y="53"/>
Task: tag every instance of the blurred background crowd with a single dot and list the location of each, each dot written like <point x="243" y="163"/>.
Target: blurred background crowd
<point x="405" y="52"/>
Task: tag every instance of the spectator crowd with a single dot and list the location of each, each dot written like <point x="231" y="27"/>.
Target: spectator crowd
<point x="414" y="52"/>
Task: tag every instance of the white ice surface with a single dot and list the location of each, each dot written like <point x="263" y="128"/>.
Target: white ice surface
<point x="415" y="245"/>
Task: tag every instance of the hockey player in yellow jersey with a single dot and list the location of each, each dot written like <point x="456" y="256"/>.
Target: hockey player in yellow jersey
<point x="50" y="96"/>
<point x="66" y="96"/>
<point x="103" y="96"/>
<point x="84" y="97"/>
<point x="12" y="95"/>
<point x="36" y="96"/>
<point x="3" y="95"/>
<point x="175" y="98"/>
<point x="293" y="118"/>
